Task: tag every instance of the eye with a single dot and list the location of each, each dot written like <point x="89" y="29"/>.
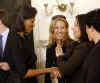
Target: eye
<point x="56" y="27"/>
<point x="62" y="27"/>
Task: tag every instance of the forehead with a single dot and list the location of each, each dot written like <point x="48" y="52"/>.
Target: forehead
<point x="59" y="22"/>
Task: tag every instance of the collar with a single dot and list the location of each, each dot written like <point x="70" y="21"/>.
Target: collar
<point x="5" y="33"/>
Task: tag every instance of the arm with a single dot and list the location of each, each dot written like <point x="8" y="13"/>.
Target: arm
<point x="32" y="72"/>
<point x="74" y="62"/>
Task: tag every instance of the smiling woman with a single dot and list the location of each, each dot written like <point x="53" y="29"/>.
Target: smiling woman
<point x="60" y="46"/>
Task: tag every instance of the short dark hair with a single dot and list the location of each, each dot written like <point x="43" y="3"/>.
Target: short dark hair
<point x="82" y="24"/>
<point x="23" y="13"/>
<point x="56" y="16"/>
<point x="93" y="19"/>
<point x="4" y="16"/>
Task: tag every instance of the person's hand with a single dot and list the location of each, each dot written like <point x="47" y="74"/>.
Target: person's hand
<point x="59" y="51"/>
<point x="4" y="66"/>
<point x="55" y="73"/>
<point x="29" y="73"/>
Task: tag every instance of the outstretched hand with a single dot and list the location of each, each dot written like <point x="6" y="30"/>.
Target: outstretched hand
<point x="37" y="72"/>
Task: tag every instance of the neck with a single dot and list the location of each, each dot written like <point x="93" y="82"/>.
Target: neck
<point x="96" y="38"/>
<point x="3" y="28"/>
<point x="59" y="42"/>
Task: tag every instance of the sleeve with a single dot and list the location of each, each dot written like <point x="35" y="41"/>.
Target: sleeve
<point x="93" y="75"/>
<point x="67" y="50"/>
<point x="74" y="61"/>
<point x="19" y="61"/>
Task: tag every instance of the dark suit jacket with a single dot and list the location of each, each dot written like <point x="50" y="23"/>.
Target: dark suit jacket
<point x="12" y="55"/>
<point x="72" y="68"/>
<point x="91" y="66"/>
<point x="53" y="61"/>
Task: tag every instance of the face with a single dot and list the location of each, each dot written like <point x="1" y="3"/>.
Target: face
<point x="29" y="24"/>
<point x="59" y="30"/>
<point x="89" y="33"/>
<point x="76" y="30"/>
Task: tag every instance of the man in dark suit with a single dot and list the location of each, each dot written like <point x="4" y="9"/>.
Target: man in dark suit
<point x="11" y="61"/>
<point x="4" y="66"/>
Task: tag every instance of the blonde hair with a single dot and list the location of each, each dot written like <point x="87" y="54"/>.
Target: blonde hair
<point x="51" y="31"/>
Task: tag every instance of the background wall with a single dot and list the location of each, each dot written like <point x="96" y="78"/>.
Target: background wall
<point x="43" y="20"/>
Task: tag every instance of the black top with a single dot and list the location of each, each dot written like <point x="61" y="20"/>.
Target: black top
<point x="29" y="56"/>
<point x="53" y="61"/>
<point x="91" y="66"/>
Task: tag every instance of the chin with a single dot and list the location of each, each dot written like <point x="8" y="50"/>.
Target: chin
<point x="59" y="38"/>
<point x="90" y="40"/>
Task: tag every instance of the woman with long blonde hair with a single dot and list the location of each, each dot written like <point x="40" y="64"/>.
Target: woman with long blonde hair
<point x="59" y="47"/>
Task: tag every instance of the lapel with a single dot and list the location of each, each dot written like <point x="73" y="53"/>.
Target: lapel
<point x="5" y="49"/>
<point x="10" y="44"/>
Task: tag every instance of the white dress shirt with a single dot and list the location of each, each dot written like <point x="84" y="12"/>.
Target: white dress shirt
<point x="4" y="38"/>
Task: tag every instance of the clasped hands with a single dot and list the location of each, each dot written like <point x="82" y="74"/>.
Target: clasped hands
<point x="55" y="73"/>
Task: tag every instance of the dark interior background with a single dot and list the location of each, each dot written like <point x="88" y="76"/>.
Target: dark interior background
<point x="11" y="5"/>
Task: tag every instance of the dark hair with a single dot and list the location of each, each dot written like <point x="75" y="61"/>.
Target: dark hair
<point x="56" y="16"/>
<point x="4" y="16"/>
<point x="93" y="19"/>
<point x="23" y="13"/>
<point x="82" y="24"/>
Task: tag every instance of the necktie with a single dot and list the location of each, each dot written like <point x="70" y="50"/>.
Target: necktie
<point x="1" y="46"/>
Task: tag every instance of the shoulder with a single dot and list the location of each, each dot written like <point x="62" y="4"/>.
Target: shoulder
<point x="83" y="45"/>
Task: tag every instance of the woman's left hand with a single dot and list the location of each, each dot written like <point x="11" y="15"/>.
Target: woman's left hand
<point x="59" y="51"/>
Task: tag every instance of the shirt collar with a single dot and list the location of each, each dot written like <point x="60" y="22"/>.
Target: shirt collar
<point x="5" y="33"/>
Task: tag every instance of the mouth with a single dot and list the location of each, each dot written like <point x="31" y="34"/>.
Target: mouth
<point x="59" y="35"/>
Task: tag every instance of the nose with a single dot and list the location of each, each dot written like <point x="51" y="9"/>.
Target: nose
<point x="59" y="29"/>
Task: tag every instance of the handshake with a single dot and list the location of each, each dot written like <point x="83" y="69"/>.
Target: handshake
<point x="54" y="72"/>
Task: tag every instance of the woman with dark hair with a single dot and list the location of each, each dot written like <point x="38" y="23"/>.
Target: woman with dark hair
<point x="24" y="24"/>
<point x="72" y="68"/>
<point x="91" y="67"/>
